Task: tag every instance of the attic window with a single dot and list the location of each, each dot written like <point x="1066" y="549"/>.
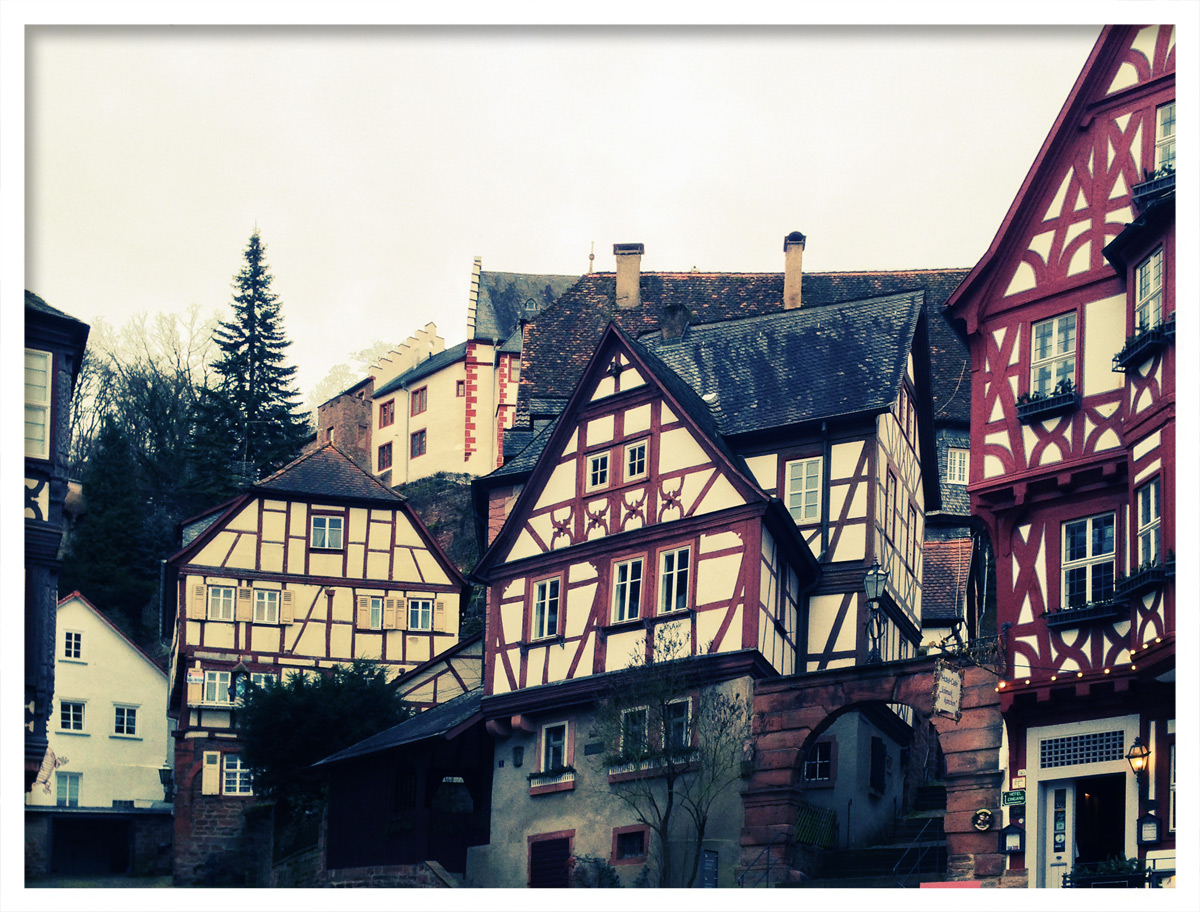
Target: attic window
<point x="597" y="475"/>
<point x="327" y="532"/>
<point x="957" y="465"/>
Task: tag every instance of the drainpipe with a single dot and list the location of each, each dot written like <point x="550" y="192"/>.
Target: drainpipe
<point x="826" y="474"/>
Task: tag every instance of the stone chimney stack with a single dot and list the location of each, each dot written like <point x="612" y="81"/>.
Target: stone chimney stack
<point x="793" y="259"/>
<point x="629" y="274"/>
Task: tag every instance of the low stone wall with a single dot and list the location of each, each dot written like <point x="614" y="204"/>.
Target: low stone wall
<point x="411" y="875"/>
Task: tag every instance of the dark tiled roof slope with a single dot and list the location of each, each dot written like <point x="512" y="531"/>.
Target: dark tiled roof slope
<point x="433" y="722"/>
<point x="35" y="303"/>
<point x="798" y="365"/>
<point x="949" y="360"/>
<point x="946" y="565"/>
<point x="503" y="294"/>
<point x="955" y="499"/>
<point x="430" y="365"/>
<point x="327" y="473"/>
<point x="561" y="339"/>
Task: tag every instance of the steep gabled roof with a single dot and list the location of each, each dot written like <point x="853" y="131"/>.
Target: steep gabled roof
<point x="799" y="365"/>
<point x="35" y="303"/>
<point x="430" y="365"/>
<point x="77" y="595"/>
<point x="444" y="721"/>
<point x="327" y="472"/>
<point x="947" y="566"/>
<point x="502" y="298"/>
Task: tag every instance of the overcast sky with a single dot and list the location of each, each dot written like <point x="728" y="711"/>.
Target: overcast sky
<point x="377" y="162"/>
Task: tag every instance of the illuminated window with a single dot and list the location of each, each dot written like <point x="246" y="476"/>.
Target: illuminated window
<point x="1052" y="364"/>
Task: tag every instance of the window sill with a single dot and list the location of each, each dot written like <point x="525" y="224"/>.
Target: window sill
<point x="1040" y="409"/>
<point x="126" y="737"/>
<point x="548" y="783"/>
<point x="810" y="784"/>
<point x="317" y="550"/>
<point x="620" y="626"/>
<point x="203" y="704"/>
<point x="67" y="661"/>
<point x="75" y="734"/>
<point x="555" y="640"/>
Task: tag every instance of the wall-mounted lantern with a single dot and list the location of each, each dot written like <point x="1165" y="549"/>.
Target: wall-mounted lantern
<point x="518" y="755"/>
<point x="874" y="582"/>
<point x="1139" y="758"/>
<point x="166" y="776"/>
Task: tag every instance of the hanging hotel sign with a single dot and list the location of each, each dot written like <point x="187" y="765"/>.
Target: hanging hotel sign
<point x="947" y="690"/>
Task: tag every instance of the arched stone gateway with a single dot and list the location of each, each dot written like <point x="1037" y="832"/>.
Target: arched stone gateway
<point x="789" y="713"/>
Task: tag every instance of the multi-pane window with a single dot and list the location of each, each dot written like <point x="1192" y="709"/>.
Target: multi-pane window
<point x="1149" y="516"/>
<point x="68" y="789"/>
<point x="554" y="747"/>
<point x="420" y="614"/>
<point x="673" y="580"/>
<point x="220" y="603"/>
<point x="1088" y="560"/>
<point x="420" y="400"/>
<point x="72" y="644"/>
<point x="216" y="687"/>
<point x="818" y="765"/>
<point x="384" y="457"/>
<point x="803" y="478"/>
<point x="630" y="844"/>
<point x="545" y="609"/>
<point x="597" y="472"/>
<point x="460" y="389"/>
<point x="634" y="729"/>
<point x="910" y="537"/>
<point x="261" y="678"/>
<point x="37" y="404"/>
<point x="416" y="444"/>
<point x="327" y="532"/>
<point x="70" y="716"/>
<point x="387" y="413"/>
<point x="1148" y="283"/>
<point x="1164" y="137"/>
<point x="266" y="606"/>
<point x="125" y="721"/>
<point x="374" y="612"/>
<point x="677" y="725"/>
<point x="958" y="465"/>
<point x="892" y="505"/>
<point x="627" y="590"/>
<point x="635" y="460"/>
<point x="1053" y="358"/>
<point x="237" y="776"/>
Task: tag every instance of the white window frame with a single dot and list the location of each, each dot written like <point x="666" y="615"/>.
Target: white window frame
<point x="262" y="678"/>
<point x="125" y="717"/>
<point x="802" y="484"/>
<point x="66" y="788"/>
<point x="669" y="580"/>
<point x="1164" y="136"/>
<point x="644" y="734"/>
<point x="73" y="653"/>
<point x="637" y="454"/>
<point x="599" y="470"/>
<point x="1057" y="362"/>
<point x="374" y="612"/>
<point x="623" y="587"/>
<point x="216" y="682"/>
<point x="1149" y="523"/>
<point x="331" y="530"/>
<point x="1091" y="560"/>
<point x="235" y="776"/>
<point x="546" y="592"/>
<point x="544" y="757"/>
<point x="218" y="608"/>
<point x="813" y="763"/>
<point x="1148" y="292"/>
<point x="77" y="721"/>
<point x="37" y="402"/>
<point x="958" y="465"/>
<point x="266" y="606"/>
<point x="420" y="614"/>
<point x="668" y="721"/>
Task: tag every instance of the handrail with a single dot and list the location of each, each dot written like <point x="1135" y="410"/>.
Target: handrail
<point x="741" y="879"/>
<point x="903" y="881"/>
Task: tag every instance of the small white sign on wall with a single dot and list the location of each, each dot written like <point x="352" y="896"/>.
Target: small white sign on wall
<point x="947" y="690"/>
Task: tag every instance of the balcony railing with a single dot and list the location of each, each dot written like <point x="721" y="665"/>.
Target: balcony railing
<point x="1144" y="343"/>
<point x="552" y="777"/>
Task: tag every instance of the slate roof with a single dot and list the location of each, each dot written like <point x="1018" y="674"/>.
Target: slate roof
<point x="798" y="365"/>
<point x="35" y="303"/>
<point x="502" y="296"/>
<point x="562" y="338"/>
<point x="944" y="582"/>
<point x="327" y="473"/>
<point x="431" y="723"/>
<point x="430" y="365"/>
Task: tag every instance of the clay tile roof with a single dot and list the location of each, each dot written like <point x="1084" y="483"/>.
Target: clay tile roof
<point x="944" y="585"/>
<point x="327" y="473"/>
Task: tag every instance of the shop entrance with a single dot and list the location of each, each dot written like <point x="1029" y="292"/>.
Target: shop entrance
<point x="1083" y="821"/>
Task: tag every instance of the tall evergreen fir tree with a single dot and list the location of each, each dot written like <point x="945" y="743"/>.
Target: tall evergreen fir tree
<point x="251" y="421"/>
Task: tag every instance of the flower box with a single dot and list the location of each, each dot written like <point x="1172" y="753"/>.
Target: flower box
<point x="1144" y="578"/>
<point x="1141" y="345"/>
<point x="1041" y="407"/>
<point x="1089" y="613"/>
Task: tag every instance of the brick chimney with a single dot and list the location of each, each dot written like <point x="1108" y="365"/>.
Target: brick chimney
<point x="793" y="258"/>
<point x="629" y="274"/>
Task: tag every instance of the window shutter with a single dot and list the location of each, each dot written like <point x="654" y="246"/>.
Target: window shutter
<point x="243" y="604"/>
<point x="401" y="614"/>
<point x="197" y="606"/>
<point x="210" y="783"/>
<point x="364" y="611"/>
<point x="287" y="611"/>
<point x="439" y="616"/>
<point x="389" y="614"/>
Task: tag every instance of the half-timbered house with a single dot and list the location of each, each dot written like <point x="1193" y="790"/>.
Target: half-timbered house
<point x="718" y="490"/>
<point x="316" y="565"/>
<point x="1070" y="318"/>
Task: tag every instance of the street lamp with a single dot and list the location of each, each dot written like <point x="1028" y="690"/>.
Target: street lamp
<point x="874" y="583"/>
<point x="167" y="778"/>
<point x="1139" y="759"/>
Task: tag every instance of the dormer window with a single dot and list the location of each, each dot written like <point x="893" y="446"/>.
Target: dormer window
<point x="958" y="461"/>
<point x="1148" y="285"/>
<point x="1052" y="363"/>
<point x="1164" y="138"/>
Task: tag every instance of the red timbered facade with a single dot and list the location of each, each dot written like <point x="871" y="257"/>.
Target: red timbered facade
<point x="1070" y="322"/>
<point x="316" y="565"/>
